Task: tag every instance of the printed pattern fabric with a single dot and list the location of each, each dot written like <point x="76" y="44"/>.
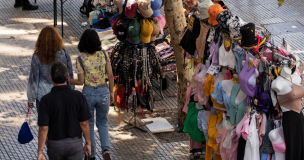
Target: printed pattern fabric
<point x="94" y="68"/>
<point x="222" y="19"/>
<point x="39" y="83"/>
<point x="202" y="124"/>
<point x="235" y="23"/>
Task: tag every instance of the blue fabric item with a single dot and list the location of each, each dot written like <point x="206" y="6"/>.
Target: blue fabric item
<point x="264" y="156"/>
<point x="25" y="135"/>
<point x="98" y="98"/>
<point x="202" y="124"/>
<point x="39" y="83"/>
<point x="102" y="30"/>
<point x="220" y="96"/>
<point x="238" y="58"/>
<point x="114" y="16"/>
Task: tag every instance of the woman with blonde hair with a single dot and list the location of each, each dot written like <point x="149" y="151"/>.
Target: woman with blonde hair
<point x="49" y="49"/>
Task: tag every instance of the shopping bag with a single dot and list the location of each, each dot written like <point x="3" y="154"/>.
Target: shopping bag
<point x="25" y="135"/>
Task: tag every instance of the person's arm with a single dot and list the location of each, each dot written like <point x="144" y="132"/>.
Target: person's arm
<point x="86" y="133"/>
<point x="80" y="73"/>
<point x="78" y="81"/>
<point x="43" y="131"/>
<point x="111" y="81"/>
<point x="32" y="86"/>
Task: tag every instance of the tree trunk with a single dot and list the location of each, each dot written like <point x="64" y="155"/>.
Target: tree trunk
<point x="176" y="23"/>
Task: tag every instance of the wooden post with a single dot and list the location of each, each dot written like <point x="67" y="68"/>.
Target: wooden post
<point x="176" y="22"/>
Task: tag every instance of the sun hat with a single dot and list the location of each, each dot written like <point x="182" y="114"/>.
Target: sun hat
<point x="156" y="29"/>
<point x="134" y="31"/>
<point x="248" y="35"/>
<point x="213" y="11"/>
<point x="222" y="19"/>
<point x="119" y="4"/>
<point x="162" y="22"/>
<point x="122" y="29"/>
<point x="146" y="31"/>
<point x="144" y="7"/>
<point x="131" y="8"/>
<point x="234" y="24"/>
<point x="203" y="9"/>
<point x="114" y="23"/>
<point x="155" y="5"/>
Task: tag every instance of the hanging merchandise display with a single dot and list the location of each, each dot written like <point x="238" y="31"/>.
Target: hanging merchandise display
<point x="244" y="90"/>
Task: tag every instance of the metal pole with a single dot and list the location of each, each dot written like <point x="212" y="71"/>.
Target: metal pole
<point x="55" y="13"/>
<point x="61" y="18"/>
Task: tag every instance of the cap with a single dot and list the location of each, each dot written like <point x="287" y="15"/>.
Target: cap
<point x="122" y="29"/>
<point x="213" y="11"/>
<point x="119" y="4"/>
<point x="114" y="23"/>
<point x="155" y="5"/>
<point x="203" y="8"/>
<point x="144" y="7"/>
<point x="131" y="8"/>
<point x="134" y="31"/>
<point x="146" y="31"/>
<point x="156" y="29"/>
<point x="114" y="16"/>
<point x="162" y="22"/>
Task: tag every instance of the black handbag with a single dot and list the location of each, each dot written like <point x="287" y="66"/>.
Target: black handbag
<point x="141" y="100"/>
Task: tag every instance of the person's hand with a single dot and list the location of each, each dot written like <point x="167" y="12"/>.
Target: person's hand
<point x="41" y="156"/>
<point x="30" y="105"/>
<point x="87" y="149"/>
<point x="111" y="98"/>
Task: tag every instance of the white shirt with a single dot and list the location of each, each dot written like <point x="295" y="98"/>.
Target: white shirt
<point x="252" y="145"/>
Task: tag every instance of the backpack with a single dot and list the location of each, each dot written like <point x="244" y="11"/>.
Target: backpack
<point x="86" y="7"/>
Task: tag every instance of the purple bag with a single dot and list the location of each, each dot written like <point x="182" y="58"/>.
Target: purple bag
<point x="263" y="97"/>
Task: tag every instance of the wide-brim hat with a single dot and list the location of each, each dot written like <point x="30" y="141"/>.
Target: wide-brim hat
<point x="203" y="9"/>
<point x="235" y="23"/>
<point x="213" y="11"/>
<point x="249" y="38"/>
<point x="222" y="19"/>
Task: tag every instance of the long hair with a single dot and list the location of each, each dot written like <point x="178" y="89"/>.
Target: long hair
<point x="48" y="44"/>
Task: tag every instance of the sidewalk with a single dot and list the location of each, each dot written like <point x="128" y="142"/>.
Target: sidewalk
<point x="18" y="33"/>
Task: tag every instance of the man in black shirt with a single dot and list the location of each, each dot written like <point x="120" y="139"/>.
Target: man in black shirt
<point x="63" y="117"/>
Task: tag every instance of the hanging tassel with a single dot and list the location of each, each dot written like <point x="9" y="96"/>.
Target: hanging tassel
<point x="118" y="115"/>
<point x="256" y="49"/>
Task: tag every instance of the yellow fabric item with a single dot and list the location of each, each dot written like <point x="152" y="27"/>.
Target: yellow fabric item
<point x="209" y="88"/>
<point x="191" y="70"/>
<point x="219" y="116"/>
<point x="146" y="30"/>
<point x="115" y="91"/>
<point x="95" y="68"/>
<point x="227" y="43"/>
<point x="211" y="144"/>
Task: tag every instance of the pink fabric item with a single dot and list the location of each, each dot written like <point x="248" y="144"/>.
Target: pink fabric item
<point x="199" y="83"/>
<point x="162" y="46"/>
<point x="219" y="140"/>
<point x="228" y="75"/>
<point x="245" y="129"/>
<point x="189" y="92"/>
<point x="298" y="72"/>
<point x="268" y="54"/>
<point x="239" y="127"/>
<point x="268" y="156"/>
<point x="279" y="147"/>
<point x="234" y="146"/>
<point x="162" y="22"/>
<point x="256" y="63"/>
<point x="283" y="52"/>
<point x="195" y="145"/>
<point x="261" y="127"/>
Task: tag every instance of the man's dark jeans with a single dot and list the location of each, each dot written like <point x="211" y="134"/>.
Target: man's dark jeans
<point x="65" y="149"/>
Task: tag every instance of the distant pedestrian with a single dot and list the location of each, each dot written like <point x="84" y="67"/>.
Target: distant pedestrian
<point x="92" y="67"/>
<point x="49" y="49"/>
<point x="63" y="117"/>
<point x="25" y="4"/>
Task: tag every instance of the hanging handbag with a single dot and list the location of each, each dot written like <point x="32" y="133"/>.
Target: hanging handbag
<point x="141" y="100"/>
<point x="25" y="135"/>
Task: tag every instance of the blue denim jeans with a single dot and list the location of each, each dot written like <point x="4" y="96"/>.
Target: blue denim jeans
<point x="98" y="98"/>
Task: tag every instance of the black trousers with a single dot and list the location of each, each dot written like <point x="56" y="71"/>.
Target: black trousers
<point x="65" y="149"/>
<point x="293" y="127"/>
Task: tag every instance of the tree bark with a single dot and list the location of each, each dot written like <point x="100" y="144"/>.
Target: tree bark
<point x="176" y="22"/>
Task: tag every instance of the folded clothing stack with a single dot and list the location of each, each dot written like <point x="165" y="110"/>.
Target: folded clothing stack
<point x="166" y="53"/>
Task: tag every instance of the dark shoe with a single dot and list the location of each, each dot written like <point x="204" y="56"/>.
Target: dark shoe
<point x="106" y="154"/>
<point x="29" y="7"/>
<point x="18" y="3"/>
<point x="92" y="158"/>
